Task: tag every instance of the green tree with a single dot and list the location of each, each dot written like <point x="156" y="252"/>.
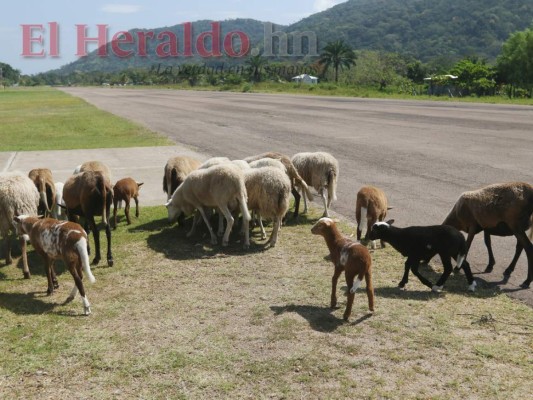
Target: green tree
<point x="474" y="75"/>
<point x="256" y="65"/>
<point x="8" y="75"/>
<point x="515" y="64"/>
<point x="338" y="55"/>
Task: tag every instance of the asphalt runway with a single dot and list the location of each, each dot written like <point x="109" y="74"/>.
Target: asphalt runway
<point x="423" y="154"/>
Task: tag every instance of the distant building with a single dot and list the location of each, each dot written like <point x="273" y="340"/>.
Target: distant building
<point x="305" y="78"/>
<point x="443" y="85"/>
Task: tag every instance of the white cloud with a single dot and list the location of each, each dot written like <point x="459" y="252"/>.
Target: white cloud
<point x="321" y="5"/>
<point x="121" y="8"/>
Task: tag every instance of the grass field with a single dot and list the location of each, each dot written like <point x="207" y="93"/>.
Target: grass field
<point x="180" y="319"/>
<point x="48" y="119"/>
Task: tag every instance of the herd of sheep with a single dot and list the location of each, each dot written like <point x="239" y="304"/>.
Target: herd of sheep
<point x="254" y="188"/>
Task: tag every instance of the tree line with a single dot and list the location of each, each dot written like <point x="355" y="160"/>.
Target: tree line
<point x="338" y="63"/>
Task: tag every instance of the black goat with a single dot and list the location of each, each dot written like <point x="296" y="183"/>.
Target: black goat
<point x="421" y="244"/>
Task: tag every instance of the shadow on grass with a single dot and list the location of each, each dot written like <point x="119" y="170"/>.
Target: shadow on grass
<point x="171" y="240"/>
<point x="321" y="319"/>
<point x="25" y="303"/>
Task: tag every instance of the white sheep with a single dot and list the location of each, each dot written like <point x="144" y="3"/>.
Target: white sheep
<point x="222" y="187"/>
<point x="268" y="191"/>
<point x="321" y="171"/>
<point x="268" y="162"/>
<point x="292" y="173"/>
<point x="18" y="195"/>
<point x="502" y="209"/>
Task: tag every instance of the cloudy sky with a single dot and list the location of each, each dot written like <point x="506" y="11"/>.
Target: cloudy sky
<point x="122" y="16"/>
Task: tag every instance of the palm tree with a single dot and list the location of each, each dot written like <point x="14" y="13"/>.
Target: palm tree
<point x="339" y="55"/>
<point x="256" y="64"/>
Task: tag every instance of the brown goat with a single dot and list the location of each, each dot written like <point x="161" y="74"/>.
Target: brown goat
<point x="295" y="178"/>
<point x="87" y="195"/>
<point x="44" y="182"/>
<point x="371" y="205"/>
<point x="53" y="239"/>
<point x="125" y="190"/>
<point x="176" y="170"/>
<point x="502" y="209"/>
<point x="351" y="257"/>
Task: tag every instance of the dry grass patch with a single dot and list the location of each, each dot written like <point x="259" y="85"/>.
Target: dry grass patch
<point x="178" y="318"/>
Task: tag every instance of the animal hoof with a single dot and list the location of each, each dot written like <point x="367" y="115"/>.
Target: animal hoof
<point x="507" y="273"/>
<point x="96" y="261"/>
<point x="472" y="287"/>
<point x="437" y="289"/>
<point x="69" y="299"/>
<point x="26" y="275"/>
<point x="87" y="311"/>
<point x="110" y="262"/>
<point x="456" y="270"/>
<point x="526" y="284"/>
<point x="346" y="318"/>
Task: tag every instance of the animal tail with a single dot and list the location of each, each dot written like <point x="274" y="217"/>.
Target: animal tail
<point x="81" y="246"/>
<point x="363" y="223"/>
<point x="103" y="190"/>
<point x="244" y="208"/>
<point x="332" y="185"/>
<point x="42" y="192"/>
<point x="294" y="175"/>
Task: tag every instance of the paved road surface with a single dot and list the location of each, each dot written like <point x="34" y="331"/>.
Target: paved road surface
<point x="423" y="154"/>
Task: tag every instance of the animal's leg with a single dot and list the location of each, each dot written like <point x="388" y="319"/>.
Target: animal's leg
<point x="511" y="267"/>
<point x="469" y="277"/>
<point x="9" y="259"/>
<point x="305" y="201"/>
<point x="447" y="264"/>
<point x="54" y="276"/>
<point x="263" y="232"/>
<point x="127" y="211"/>
<point x="296" y="201"/>
<point x="48" y="269"/>
<point x="109" y="254"/>
<point x="528" y="247"/>
<point x="96" y="235"/>
<point x="79" y="286"/>
<point x="24" y="247"/>
<point x="349" y="275"/>
<point x="115" y="201"/>
<point x="323" y="195"/>
<point x="334" y="280"/>
<point x="369" y="290"/>
<point x="212" y="233"/>
<point x="220" y="231"/>
<point x="230" y="221"/>
<point x="488" y="245"/>
<point x="195" y="221"/>
<point x="405" y="278"/>
<point x="414" y="268"/>
<point x="87" y="228"/>
<point x="136" y="206"/>
<point x="274" y="235"/>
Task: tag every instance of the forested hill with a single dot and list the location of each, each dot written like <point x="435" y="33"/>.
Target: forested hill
<point x="424" y="29"/>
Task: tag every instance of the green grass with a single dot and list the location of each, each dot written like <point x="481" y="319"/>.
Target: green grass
<point x="332" y="89"/>
<point x="179" y="318"/>
<point x="48" y="119"/>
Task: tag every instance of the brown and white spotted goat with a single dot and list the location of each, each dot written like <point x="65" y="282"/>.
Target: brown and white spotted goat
<point x="351" y="257"/>
<point x="54" y="239"/>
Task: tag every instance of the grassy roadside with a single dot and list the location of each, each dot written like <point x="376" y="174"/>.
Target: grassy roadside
<point x="331" y="89"/>
<point x="48" y="119"/>
<point x="178" y="318"/>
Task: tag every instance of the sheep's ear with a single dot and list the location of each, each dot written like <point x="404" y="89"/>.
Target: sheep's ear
<point x="40" y="216"/>
<point x="390" y="221"/>
<point x="16" y="219"/>
<point x="140" y="184"/>
<point x="390" y="208"/>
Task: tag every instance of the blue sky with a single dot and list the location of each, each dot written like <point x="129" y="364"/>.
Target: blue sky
<point x="128" y="14"/>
